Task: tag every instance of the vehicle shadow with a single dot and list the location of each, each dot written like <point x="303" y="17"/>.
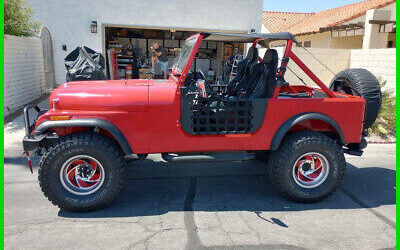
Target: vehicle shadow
<point x="156" y="188"/>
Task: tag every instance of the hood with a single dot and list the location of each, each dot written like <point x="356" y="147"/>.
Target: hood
<point x="118" y="95"/>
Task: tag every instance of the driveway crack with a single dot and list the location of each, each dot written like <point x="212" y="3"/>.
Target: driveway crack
<point x="369" y="208"/>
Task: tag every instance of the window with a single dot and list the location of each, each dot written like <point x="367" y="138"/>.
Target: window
<point x="307" y="44"/>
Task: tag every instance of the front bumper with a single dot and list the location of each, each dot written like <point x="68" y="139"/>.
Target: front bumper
<point x="32" y="141"/>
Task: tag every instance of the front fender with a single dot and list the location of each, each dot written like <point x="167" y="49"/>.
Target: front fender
<point x="87" y="122"/>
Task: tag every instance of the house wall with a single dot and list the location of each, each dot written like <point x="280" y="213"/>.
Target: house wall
<point x="324" y="40"/>
<point x="392" y="9"/>
<point x="319" y="40"/>
<point x="381" y="62"/>
<point x="349" y="42"/>
<point x="373" y="39"/>
<point x="24" y="79"/>
<point x="69" y="21"/>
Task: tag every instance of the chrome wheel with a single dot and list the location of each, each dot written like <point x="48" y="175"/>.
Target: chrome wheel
<point x="310" y="170"/>
<point x="82" y="175"/>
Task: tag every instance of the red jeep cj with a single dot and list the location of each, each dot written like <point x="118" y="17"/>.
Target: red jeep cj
<point x="94" y="128"/>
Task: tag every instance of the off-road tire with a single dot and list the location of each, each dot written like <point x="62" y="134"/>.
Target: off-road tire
<point x="106" y="151"/>
<point x="293" y="146"/>
<point x="362" y="83"/>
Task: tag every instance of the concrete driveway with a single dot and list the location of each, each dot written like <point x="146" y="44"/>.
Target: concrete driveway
<point x="204" y="206"/>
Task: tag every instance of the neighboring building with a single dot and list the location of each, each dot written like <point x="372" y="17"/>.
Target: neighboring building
<point x="142" y="22"/>
<point x="369" y="24"/>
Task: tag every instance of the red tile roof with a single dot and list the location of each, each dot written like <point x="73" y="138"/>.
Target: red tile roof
<point x="282" y="21"/>
<point x="308" y="23"/>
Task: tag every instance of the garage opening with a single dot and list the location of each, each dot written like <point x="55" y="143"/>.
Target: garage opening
<point x="128" y="53"/>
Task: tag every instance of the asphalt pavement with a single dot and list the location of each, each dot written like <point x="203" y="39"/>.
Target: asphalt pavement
<point x="227" y="205"/>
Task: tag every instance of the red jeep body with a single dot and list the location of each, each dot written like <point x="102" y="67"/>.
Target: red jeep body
<point x="148" y="113"/>
<point x="301" y="132"/>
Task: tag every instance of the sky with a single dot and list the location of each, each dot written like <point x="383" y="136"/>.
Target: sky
<point x="304" y="5"/>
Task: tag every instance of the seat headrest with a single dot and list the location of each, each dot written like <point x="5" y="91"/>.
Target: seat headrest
<point x="252" y="54"/>
<point x="269" y="55"/>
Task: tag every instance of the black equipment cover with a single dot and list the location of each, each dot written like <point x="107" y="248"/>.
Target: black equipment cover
<point x="84" y="64"/>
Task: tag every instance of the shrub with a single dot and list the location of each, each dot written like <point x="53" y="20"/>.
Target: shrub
<point x="17" y="19"/>
<point x="385" y="124"/>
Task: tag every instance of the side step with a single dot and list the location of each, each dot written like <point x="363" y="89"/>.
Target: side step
<point x="207" y="157"/>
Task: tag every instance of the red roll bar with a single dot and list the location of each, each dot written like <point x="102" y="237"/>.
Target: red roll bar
<point x="289" y="54"/>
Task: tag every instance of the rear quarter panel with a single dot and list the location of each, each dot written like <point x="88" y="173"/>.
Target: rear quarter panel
<point x="347" y="112"/>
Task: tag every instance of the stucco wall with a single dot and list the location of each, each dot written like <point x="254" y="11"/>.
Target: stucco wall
<point x="319" y="40"/>
<point x="349" y="42"/>
<point x="324" y="40"/>
<point x="69" y="21"/>
<point x="381" y="62"/>
<point x="335" y="59"/>
<point x="24" y="79"/>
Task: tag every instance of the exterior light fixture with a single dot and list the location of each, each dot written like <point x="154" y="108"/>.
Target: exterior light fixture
<point x="172" y="33"/>
<point x="93" y="27"/>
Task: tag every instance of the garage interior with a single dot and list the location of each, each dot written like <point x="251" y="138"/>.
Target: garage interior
<point x="128" y="48"/>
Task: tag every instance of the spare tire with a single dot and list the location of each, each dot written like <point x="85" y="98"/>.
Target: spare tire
<point x="360" y="82"/>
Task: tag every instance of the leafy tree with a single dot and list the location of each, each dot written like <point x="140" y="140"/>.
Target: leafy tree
<point x="17" y="19"/>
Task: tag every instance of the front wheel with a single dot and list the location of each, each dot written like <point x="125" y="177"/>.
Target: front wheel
<point x="82" y="172"/>
<point x="307" y="167"/>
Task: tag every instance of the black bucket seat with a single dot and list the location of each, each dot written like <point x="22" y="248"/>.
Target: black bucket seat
<point x="262" y="79"/>
<point x="243" y="70"/>
<point x="264" y="87"/>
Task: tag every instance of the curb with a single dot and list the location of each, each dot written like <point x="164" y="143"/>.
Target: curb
<point x="382" y="142"/>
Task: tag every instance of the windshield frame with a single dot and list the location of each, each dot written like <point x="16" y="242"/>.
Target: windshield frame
<point x="182" y="71"/>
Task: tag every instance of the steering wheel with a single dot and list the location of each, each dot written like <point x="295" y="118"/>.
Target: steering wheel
<point x="206" y="82"/>
<point x="192" y="78"/>
<point x="202" y="75"/>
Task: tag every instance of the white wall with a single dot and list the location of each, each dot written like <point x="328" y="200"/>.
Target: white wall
<point x="69" y="21"/>
<point x="381" y="62"/>
<point x="24" y="79"/>
<point x="335" y="59"/>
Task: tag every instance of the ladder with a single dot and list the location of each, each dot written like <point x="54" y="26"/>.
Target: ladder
<point x="237" y="58"/>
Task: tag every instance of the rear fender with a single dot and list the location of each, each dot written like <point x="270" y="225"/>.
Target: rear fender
<point x="291" y="122"/>
<point x="87" y="123"/>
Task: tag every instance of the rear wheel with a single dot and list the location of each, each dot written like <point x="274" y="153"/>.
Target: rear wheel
<point x="82" y="172"/>
<point x="307" y="167"/>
